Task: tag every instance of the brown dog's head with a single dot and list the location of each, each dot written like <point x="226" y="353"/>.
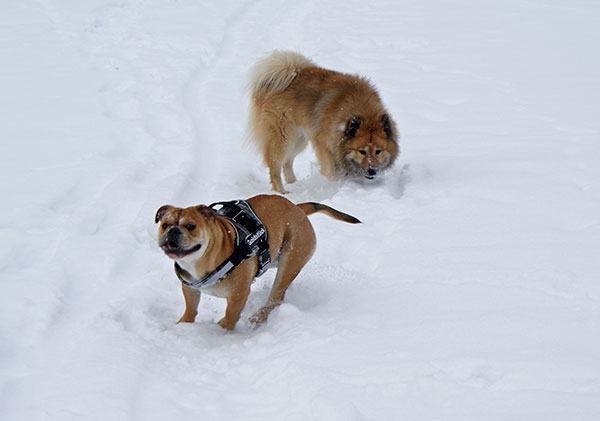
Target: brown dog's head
<point x="182" y="232"/>
<point x="368" y="146"/>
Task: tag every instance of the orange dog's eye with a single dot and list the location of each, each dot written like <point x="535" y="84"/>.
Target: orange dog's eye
<point x="377" y="152"/>
<point x="363" y="152"/>
<point x="164" y="226"/>
<point x="190" y="227"/>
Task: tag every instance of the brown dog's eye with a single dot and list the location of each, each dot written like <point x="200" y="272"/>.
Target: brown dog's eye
<point x="164" y="226"/>
<point x="363" y="152"/>
<point x="190" y="227"/>
<point x="378" y="151"/>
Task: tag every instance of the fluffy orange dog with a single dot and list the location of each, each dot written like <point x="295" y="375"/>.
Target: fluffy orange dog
<point x="199" y="239"/>
<point x="293" y="100"/>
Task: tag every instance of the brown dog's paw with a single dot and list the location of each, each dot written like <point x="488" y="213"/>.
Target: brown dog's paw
<point x="226" y="324"/>
<point x="186" y="319"/>
<point x="260" y="316"/>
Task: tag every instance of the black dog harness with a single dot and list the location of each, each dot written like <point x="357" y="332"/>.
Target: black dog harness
<point x="250" y="241"/>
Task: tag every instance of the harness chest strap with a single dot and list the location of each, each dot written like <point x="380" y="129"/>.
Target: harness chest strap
<point x="251" y="240"/>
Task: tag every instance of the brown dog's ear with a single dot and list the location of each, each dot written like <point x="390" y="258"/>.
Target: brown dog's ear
<point x="160" y="212"/>
<point x="206" y="212"/>
<point x="386" y="123"/>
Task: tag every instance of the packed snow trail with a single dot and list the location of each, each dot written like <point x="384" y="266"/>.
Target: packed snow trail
<point x="469" y="292"/>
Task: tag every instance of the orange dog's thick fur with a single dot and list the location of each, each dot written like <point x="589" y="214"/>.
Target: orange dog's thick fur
<point x="294" y="100"/>
<point x="199" y="240"/>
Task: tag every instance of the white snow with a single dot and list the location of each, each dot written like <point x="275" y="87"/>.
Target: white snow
<point x="471" y="291"/>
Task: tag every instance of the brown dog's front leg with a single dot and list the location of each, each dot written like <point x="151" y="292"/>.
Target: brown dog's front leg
<point x="192" y="298"/>
<point x="235" y="304"/>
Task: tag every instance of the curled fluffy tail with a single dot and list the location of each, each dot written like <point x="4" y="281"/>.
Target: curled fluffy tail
<point x="276" y="72"/>
<point x="313" y="207"/>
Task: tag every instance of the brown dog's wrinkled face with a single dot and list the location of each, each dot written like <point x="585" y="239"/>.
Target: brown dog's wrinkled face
<point x="369" y="149"/>
<point x="182" y="232"/>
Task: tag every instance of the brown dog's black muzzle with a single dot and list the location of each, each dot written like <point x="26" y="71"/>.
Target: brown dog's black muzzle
<point x="172" y="247"/>
<point x="170" y="243"/>
<point x="173" y="237"/>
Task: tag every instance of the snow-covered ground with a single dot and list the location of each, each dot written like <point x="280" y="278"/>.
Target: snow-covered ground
<point x="471" y="291"/>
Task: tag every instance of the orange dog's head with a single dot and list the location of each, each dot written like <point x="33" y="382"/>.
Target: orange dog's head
<point x="368" y="146"/>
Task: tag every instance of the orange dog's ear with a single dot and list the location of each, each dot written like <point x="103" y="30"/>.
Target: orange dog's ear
<point x="160" y="212"/>
<point x="206" y="212"/>
<point x="387" y="126"/>
<point x="353" y="126"/>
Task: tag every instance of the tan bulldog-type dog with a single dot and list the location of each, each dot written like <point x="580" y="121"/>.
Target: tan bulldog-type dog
<point x="198" y="239"/>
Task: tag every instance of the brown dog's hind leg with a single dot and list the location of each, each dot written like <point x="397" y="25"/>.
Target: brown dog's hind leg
<point x="192" y="298"/>
<point x="294" y="256"/>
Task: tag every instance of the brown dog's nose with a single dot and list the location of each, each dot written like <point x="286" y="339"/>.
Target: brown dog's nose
<point x="372" y="171"/>
<point x="173" y="236"/>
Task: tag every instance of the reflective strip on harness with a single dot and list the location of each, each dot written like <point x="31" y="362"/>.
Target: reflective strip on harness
<point x="251" y="240"/>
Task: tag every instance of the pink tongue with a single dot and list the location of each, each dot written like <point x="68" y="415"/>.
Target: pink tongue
<point x="172" y="255"/>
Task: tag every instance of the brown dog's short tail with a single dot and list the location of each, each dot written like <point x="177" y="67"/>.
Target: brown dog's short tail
<point x="312" y="207"/>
